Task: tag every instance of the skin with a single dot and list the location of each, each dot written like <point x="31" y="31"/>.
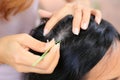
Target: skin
<point x="80" y="9"/>
<point x="14" y="49"/>
<point x="108" y="67"/>
<point x="52" y="5"/>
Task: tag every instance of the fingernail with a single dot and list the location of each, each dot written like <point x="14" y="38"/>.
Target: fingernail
<point x="45" y="32"/>
<point x="99" y="22"/>
<point x="84" y="26"/>
<point x="76" y="31"/>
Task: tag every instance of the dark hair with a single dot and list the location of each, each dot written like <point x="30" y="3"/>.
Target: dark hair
<point x="78" y="53"/>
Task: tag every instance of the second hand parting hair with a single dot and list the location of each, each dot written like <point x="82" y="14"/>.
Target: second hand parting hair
<point x="78" y="53"/>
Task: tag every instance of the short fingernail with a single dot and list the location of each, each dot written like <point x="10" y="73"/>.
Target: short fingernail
<point x="45" y="32"/>
<point x="84" y="26"/>
<point x="76" y="31"/>
<point x="99" y="21"/>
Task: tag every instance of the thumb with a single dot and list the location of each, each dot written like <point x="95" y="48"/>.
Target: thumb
<point x="44" y="13"/>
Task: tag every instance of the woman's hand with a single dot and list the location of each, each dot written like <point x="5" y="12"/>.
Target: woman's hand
<point x="81" y="14"/>
<point x="14" y="51"/>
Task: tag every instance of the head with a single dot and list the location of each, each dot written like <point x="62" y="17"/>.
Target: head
<point x="12" y="7"/>
<point x="91" y="55"/>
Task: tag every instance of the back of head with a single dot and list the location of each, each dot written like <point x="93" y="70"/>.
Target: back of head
<point x="78" y="53"/>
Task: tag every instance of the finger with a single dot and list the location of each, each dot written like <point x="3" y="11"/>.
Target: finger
<point x="50" y="24"/>
<point x="28" y="58"/>
<point x="77" y="20"/>
<point x="44" y="14"/>
<point x="30" y="42"/>
<point x="85" y="18"/>
<point x="42" y="46"/>
<point x="27" y="69"/>
<point x="55" y="62"/>
<point x="45" y="63"/>
<point x="98" y="15"/>
<point x="49" y="69"/>
<point x="56" y="18"/>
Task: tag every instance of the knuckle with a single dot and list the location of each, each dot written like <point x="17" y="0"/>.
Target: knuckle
<point x="18" y="68"/>
<point x="50" y="71"/>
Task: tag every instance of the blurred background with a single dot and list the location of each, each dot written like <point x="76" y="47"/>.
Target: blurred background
<point x="110" y="10"/>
